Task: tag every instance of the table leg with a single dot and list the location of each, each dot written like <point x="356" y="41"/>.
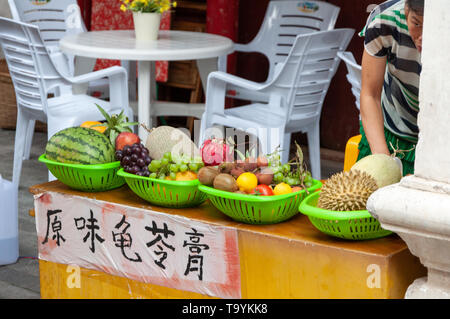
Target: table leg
<point x="206" y="66"/>
<point x="144" y="93"/>
<point x="83" y="65"/>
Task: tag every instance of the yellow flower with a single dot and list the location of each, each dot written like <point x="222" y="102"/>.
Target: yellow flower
<point x="174" y="4"/>
<point x="123" y="8"/>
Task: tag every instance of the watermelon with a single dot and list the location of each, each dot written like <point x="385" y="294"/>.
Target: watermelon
<point x="80" y="145"/>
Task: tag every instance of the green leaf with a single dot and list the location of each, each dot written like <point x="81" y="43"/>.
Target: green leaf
<point x="112" y="137"/>
<point x="104" y="113"/>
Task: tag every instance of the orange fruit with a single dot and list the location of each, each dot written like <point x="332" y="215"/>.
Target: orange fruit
<point x="282" y="188"/>
<point x="90" y="124"/>
<point x="186" y="176"/>
<point x="247" y="182"/>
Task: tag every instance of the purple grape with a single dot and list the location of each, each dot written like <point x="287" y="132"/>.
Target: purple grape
<point x="127" y="169"/>
<point x="146" y="173"/>
<point x="144" y="150"/>
<point x="140" y="173"/>
<point x="134" y="158"/>
<point x="140" y="162"/>
<point x="119" y="155"/>
<point x="134" y="169"/>
<point x="126" y="150"/>
<point x="125" y="161"/>
<point x="147" y="160"/>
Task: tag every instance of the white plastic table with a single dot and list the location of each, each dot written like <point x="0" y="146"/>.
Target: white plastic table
<point x="205" y="48"/>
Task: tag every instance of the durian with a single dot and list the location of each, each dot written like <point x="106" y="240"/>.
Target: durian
<point x="347" y="191"/>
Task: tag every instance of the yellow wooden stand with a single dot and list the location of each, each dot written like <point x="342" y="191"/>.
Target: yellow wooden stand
<point x="287" y="260"/>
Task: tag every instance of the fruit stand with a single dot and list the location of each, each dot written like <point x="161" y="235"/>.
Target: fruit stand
<point x="165" y="219"/>
<point x="291" y="259"/>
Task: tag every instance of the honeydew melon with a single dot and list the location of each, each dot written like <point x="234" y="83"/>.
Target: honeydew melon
<point x="385" y="169"/>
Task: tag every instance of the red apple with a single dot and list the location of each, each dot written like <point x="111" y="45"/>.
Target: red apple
<point x="126" y="138"/>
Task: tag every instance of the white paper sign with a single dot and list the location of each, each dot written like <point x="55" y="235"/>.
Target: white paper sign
<point x="144" y="245"/>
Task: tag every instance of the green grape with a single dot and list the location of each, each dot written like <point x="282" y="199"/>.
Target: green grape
<point x="152" y="168"/>
<point x="174" y="168"/>
<point x="168" y="155"/>
<point x="173" y="175"/>
<point x="164" y="161"/>
<point x="286" y="168"/>
<point x="290" y="181"/>
<point x="162" y="176"/>
<point x="153" y="175"/>
<point x="278" y="177"/>
<point x="183" y="167"/>
<point x="193" y="167"/>
<point x="276" y="169"/>
<point x="156" y="163"/>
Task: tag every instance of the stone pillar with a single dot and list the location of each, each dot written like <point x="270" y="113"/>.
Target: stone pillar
<point x="418" y="208"/>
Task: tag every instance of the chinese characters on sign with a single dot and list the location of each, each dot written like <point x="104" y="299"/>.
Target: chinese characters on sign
<point x="140" y="244"/>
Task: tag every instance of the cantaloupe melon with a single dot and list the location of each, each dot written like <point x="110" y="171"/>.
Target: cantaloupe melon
<point x="163" y="139"/>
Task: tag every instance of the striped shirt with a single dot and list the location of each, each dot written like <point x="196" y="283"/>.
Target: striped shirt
<point x="386" y="35"/>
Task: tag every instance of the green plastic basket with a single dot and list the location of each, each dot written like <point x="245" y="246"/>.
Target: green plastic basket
<point x="253" y="209"/>
<point x="87" y="178"/>
<point x="165" y="193"/>
<point x="354" y="225"/>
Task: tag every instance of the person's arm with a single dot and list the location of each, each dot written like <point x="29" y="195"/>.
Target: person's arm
<point x="372" y="78"/>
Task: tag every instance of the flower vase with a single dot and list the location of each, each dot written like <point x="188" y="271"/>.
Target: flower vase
<point x="146" y="26"/>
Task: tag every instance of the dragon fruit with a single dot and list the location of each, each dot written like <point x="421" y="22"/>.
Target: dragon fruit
<point x="216" y="151"/>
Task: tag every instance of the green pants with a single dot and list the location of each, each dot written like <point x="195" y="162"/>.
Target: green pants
<point x="398" y="143"/>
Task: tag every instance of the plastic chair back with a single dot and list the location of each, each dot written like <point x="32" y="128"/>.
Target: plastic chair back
<point x="286" y="19"/>
<point x="54" y="18"/>
<point x="32" y="71"/>
<point x="353" y="75"/>
<point x="306" y="75"/>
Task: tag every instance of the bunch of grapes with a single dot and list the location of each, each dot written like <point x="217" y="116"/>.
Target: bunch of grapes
<point x="169" y="167"/>
<point x="134" y="159"/>
<point x="291" y="173"/>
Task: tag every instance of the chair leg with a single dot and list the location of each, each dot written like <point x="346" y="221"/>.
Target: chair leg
<point x="29" y="139"/>
<point x="19" y="145"/>
<point x="285" y="147"/>
<point x="313" y="134"/>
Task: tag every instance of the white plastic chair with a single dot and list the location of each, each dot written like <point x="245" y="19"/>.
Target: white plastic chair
<point x="283" y="21"/>
<point x="296" y="95"/>
<point x="34" y="74"/>
<point x="353" y="75"/>
<point x="57" y="19"/>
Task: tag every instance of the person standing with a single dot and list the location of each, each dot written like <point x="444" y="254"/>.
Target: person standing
<point x="391" y="67"/>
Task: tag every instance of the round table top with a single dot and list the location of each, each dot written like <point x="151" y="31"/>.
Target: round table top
<point x="170" y="46"/>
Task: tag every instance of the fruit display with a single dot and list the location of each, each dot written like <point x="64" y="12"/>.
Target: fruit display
<point x="79" y="145"/>
<point x="253" y="175"/>
<point x="343" y="198"/>
<point x="134" y="158"/>
<point x="115" y="124"/>
<point x="347" y="191"/>
<point x="173" y="167"/>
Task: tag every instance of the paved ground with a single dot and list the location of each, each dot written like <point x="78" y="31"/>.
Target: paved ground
<point x="21" y="280"/>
